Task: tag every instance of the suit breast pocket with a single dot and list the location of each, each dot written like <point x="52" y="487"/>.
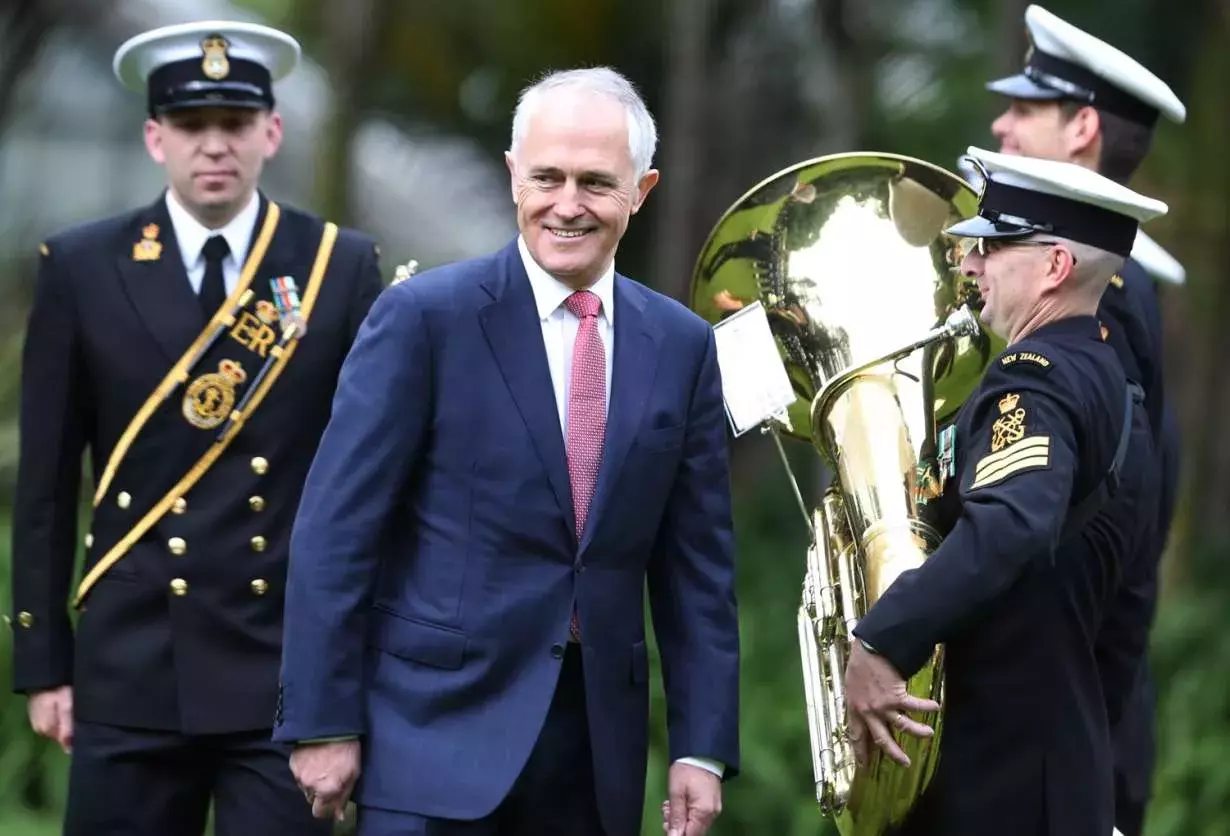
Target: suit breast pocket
<point x="661" y="438"/>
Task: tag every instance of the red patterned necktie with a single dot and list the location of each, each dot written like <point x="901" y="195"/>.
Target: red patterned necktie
<point x="586" y="419"/>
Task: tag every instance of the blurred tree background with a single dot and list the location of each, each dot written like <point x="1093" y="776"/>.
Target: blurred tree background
<point x="741" y="89"/>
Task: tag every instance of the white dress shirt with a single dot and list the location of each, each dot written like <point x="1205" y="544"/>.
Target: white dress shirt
<point x="191" y="236"/>
<point x="559" y="325"/>
<point x="559" y="333"/>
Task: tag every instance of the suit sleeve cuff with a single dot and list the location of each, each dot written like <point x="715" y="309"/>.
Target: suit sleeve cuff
<point x="707" y="764"/>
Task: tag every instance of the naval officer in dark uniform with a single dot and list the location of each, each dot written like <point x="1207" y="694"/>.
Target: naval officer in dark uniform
<point x="1016" y="590"/>
<point x="191" y="348"/>
<point x="1080" y="100"/>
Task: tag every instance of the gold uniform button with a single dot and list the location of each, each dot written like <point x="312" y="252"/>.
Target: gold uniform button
<point x="89" y="540"/>
<point x="260" y="586"/>
<point x="179" y="586"/>
<point x="180" y="506"/>
<point x="124" y="499"/>
<point x="257" y="503"/>
<point x="259" y="543"/>
<point x="260" y="465"/>
<point x="25" y="619"/>
<point x="177" y="545"/>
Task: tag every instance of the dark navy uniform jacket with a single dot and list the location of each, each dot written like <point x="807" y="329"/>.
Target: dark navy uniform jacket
<point x="184" y="632"/>
<point x="1018" y="599"/>
<point x="1129" y="313"/>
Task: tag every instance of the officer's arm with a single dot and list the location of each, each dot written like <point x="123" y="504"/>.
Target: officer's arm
<point x="1016" y="486"/>
<point x="54" y="404"/>
<point x="368" y="285"/>
<point x="380" y="413"/>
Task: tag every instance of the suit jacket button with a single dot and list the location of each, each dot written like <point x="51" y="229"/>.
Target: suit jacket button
<point x="124" y="500"/>
<point x="180" y="506"/>
<point x="557" y="651"/>
<point x="259" y="543"/>
<point x="260" y="586"/>
<point x="179" y="586"/>
<point x="177" y="545"/>
<point x="257" y="503"/>
<point x="25" y="619"/>
<point x="260" y="465"/>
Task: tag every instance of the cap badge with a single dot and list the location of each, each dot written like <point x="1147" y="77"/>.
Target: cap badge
<point x="216" y="65"/>
<point x="148" y="248"/>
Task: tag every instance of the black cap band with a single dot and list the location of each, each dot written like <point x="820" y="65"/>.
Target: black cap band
<point x="1077" y="83"/>
<point x="1060" y="216"/>
<point x="184" y="84"/>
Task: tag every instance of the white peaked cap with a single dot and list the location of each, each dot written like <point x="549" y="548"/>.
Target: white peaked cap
<point x="1065" y="62"/>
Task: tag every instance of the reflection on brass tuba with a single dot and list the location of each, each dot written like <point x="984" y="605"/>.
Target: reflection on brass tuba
<point x="872" y="319"/>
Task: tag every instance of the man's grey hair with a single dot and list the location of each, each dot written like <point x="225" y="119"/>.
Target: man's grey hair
<point x="1094" y="267"/>
<point x="642" y="132"/>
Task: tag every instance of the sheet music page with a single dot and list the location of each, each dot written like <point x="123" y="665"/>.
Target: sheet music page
<point x="755" y="385"/>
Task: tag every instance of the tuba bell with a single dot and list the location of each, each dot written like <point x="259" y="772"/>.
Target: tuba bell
<point x="873" y="323"/>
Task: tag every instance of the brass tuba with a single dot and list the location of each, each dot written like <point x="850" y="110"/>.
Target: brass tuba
<point x="872" y="320"/>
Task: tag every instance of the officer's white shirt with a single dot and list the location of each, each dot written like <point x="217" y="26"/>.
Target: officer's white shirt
<point x="559" y="333"/>
<point x="191" y="236"/>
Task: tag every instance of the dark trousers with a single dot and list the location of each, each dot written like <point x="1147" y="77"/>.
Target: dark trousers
<point x="553" y="796"/>
<point x="136" y="782"/>
<point x="1129" y="813"/>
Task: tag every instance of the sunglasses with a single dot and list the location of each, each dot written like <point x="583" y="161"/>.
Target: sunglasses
<point x="985" y="246"/>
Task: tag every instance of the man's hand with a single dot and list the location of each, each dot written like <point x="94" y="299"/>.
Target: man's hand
<point x="876" y="699"/>
<point x="51" y="715"/>
<point x="695" y="801"/>
<point x="326" y="772"/>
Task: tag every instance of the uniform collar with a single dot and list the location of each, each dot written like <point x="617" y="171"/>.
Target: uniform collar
<point x="192" y="235"/>
<point x="1076" y="326"/>
<point x="550" y="292"/>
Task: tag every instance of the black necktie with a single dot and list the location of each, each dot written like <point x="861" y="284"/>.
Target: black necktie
<point x="213" y="286"/>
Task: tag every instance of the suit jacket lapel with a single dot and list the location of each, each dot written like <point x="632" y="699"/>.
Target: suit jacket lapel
<point x="511" y="325"/>
<point x="158" y="287"/>
<point x="632" y="377"/>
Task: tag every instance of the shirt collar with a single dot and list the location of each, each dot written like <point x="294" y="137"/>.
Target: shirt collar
<point x="192" y="235"/>
<point x="550" y="292"/>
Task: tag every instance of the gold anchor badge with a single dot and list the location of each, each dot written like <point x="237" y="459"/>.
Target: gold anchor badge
<point x="148" y="248"/>
<point x="209" y="398"/>
<point x="1010" y="426"/>
<point x="216" y="65"/>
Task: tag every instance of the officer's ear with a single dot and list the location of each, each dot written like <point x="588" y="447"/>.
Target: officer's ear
<point x="273" y="133"/>
<point x="1082" y="131"/>
<point x="1060" y="268"/>
<point x="153" y="140"/>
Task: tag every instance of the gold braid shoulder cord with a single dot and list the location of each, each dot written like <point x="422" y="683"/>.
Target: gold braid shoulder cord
<point x="179" y="374"/>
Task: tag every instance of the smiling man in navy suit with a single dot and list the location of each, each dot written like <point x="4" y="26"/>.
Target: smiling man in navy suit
<point x="518" y="443"/>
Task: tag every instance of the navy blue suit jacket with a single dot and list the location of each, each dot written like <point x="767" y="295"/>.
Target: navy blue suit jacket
<point x="434" y="565"/>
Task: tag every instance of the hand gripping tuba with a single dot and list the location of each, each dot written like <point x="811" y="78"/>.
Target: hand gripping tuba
<point x="872" y="320"/>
